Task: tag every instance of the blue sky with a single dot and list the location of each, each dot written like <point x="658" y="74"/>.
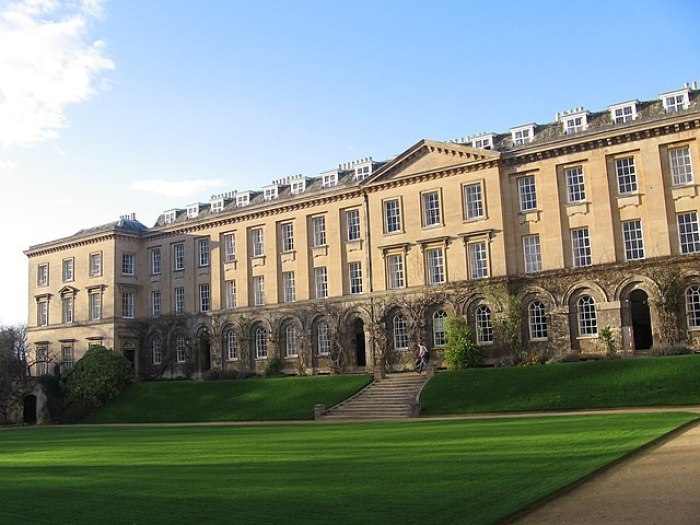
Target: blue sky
<point x="111" y="107"/>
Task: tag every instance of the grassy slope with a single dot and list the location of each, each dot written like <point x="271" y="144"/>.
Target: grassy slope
<point x="247" y="400"/>
<point x="660" y="381"/>
<point x="404" y="473"/>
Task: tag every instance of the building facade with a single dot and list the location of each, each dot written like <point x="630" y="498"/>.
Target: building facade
<point x="542" y="237"/>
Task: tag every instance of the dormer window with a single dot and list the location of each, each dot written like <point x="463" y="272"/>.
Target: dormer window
<point x="298" y="186"/>
<point x="330" y="179"/>
<point x="193" y="211"/>
<point x="575" y="123"/>
<point x="523" y="134"/>
<point x="362" y="172"/>
<point x="217" y="205"/>
<point x="675" y="101"/>
<point x="484" y="142"/>
<point x="169" y="216"/>
<point x="270" y="192"/>
<point x="243" y="199"/>
<point x="623" y="112"/>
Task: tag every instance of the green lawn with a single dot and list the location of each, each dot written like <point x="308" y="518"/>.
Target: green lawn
<point x="658" y="381"/>
<point x="287" y="398"/>
<point x="405" y="473"/>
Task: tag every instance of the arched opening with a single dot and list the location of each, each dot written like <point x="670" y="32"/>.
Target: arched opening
<point x="30" y="403"/>
<point x="359" y="338"/>
<point x="641" y="320"/>
<point x="204" y="347"/>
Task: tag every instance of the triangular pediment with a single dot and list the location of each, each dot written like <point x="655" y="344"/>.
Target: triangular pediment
<point x="428" y="156"/>
<point x="68" y="290"/>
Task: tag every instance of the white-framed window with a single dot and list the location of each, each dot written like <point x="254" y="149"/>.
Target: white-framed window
<point x="157" y="351"/>
<point x="484" y="326"/>
<point x="95" y="264"/>
<point x="290" y="341"/>
<point x="483" y="142"/>
<point x="156" y="261"/>
<point x="473" y="201"/>
<point x="288" y="287"/>
<point x="68" y="269"/>
<point x="298" y="186"/>
<point x="128" y="305"/>
<point x="532" y="253"/>
<point x="692" y="306"/>
<point x="435" y="259"/>
<point x="287" y="230"/>
<point x="204" y="297"/>
<point x="431" y="208"/>
<point x="229" y="247"/>
<point x="67" y="309"/>
<point x="688" y="232"/>
<point x="527" y="193"/>
<point x="625" y="112"/>
<point x="330" y="179"/>
<point x="270" y="193"/>
<point x="42" y="313"/>
<point x="355" y="274"/>
<point x="260" y="343"/>
<point x="67" y="356"/>
<point x="681" y="166"/>
<point x="231" y="345"/>
<point x="362" y="172"/>
<point x="439" y="330"/>
<point x="203" y="251"/>
<point x="169" y="216"/>
<point x="155" y="303"/>
<point x="522" y="135"/>
<point x="128" y="263"/>
<point x="626" y="175"/>
<point x="216" y="205"/>
<point x="581" y="247"/>
<point x="323" y="338"/>
<point x="321" y="282"/>
<point x="192" y="211"/>
<point x="634" y="240"/>
<point x="258" y="291"/>
<point x="230" y="294"/>
<point x="318" y="225"/>
<point x="242" y="199"/>
<point x="256" y="235"/>
<point x="537" y="320"/>
<point x="42" y="360"/>
<point x="478" y="260"/>
<point x="42" y="275"/>
<point x="575" y="123"/>
<point x="575" y="184"/>
<point x="676" y="101"/>
<point x="178" y="257"/>
<point x="400" y="332"/>
<point x="395" y="272"/>
<point x="392" y="216"/>
<point x="587" y="317"/>
<point x="180" y="349"/>
<point x="352" y="218"/>
<point x="95" y="305"/>
<point x="179" y="300"/>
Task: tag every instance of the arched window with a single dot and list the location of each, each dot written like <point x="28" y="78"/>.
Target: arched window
<point x="260" y="343"/>
<point x="157" y="349"/>
<point x="231" y="345"/>
<point x="324" y="343"/>
<point x="290" y="336"/>
<point x="400" y="333"/>
<point x="537" y="320"/>
<point x="484" y="328"/>
<point x="692" y="306"/>
<point x="439" y="339"/>
<point x="587" y="319"/>
<point x="180" y="349"/>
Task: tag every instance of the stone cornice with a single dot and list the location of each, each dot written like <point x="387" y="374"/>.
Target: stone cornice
<point x="68" y="244"/>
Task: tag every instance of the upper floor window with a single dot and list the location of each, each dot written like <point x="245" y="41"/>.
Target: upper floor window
<point x="527" y="193"/>
<point x="587" y="317"/>
<point x="288" y="287"/>
<point x="42" y="313"/>
<point x="128" y="263"/>
<point x="270" y="193"/>
<point x="575" y="123"/>
<point x="42" y="275"/>
<point x="155" y="303"/>
<point x="298" y="186"/>
<point x="692" y="306"/>
<point x="242" y="199"/>
<point x="675" y="101"/>
<point x="537" y="320"/>
<point x="626" y="175"/>
<point x="319" y="230"/>
<point x="681" y="166"/>
<point x="179" y="300"/>
<point x="193" y="211"/>
<point x="203" y="251"/>
<point x="575" y="185"/>
<point x="256" y="235"/>
<point x="204" y="297"/>
<point x="217" y="205"/>
<point x="485" y="142"/>
<point x="169" y="216"/>
<point x="473" y="201"/>
<point x="95" y="305"/>
<point x="287" y="230"/>
<point x="321" y="282"/>
<point x="395" y="272"/>
<point x="625" y="112"/>
<point x="95" y="264"/>
<point x="522" y="135"/>
<point x="400" y="332"/>
<point x="431" y="208"/>
<point x="355" y="276"/>
<point x="229" y="247"/>
<point x="634" y="240"/>
<point x="353" y="223"/>
<point x="156" y="260"/>
<point x="484" y="326"/>
<point x="330" y="179"/>
<point x="259" y="291"/>
<point x="68" y="269"/>
<point x="688" y="232"/>
<point x="230" y="294"/>
<point x="435" y="258"/>
<point x="178" y="256"/>
<point x="67" y="304"/>
<point x="478" y="260"/>
<point x="581" y="247"/>
<point x="128" y="305"/>
<point x="363" y="171"/>
<point x="392" y="216"/>
<point x="532" y="254"/>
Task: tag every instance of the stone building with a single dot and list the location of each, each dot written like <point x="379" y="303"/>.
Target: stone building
<point x="580" y="224"/>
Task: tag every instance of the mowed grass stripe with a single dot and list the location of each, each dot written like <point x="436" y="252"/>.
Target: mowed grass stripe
<point x="658" y="381"/>
<point x="403" y="473"/>
<point x="270" y="399"/>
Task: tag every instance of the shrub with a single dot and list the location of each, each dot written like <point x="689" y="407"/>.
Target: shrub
<point x="273" y="368"/>
<point x="460" y="350"/>
<point x="610" y="343"/>
<point x="100" y="375"/>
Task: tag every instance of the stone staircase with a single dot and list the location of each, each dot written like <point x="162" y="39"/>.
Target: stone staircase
<point x="393" y="397"/>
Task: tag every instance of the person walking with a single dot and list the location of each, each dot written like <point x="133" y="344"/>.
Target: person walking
<point x="423" y="356"/>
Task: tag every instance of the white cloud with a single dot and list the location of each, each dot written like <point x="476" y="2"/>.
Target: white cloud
<point x="182" y="188"/>
<point x="46" y="63"/>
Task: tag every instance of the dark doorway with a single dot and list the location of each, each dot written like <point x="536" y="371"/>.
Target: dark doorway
<point x="204" y="352"/>
<point x="30" y="410"/>
<point x="360" y="357"/>
<point x="641" y="320"/>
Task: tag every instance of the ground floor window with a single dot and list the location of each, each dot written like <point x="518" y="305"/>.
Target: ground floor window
<point x="484" y="327"/>
<point x="400" y="333"/>
<point x="587" y="318"/>
<point x="692" y="306"/>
